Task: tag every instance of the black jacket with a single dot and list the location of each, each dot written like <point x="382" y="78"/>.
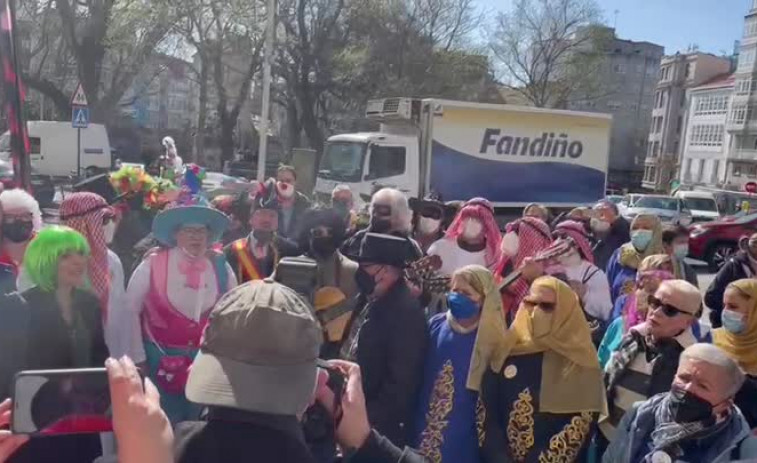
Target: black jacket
<point x="391" y="350"/>
<point x="618" y="235"/>
<point x="231" y="436"/>
<point x="737" y="268"/>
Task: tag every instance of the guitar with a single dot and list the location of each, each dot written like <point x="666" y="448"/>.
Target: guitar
<point x="558" y="248"/>
<point x="424" y="273"/>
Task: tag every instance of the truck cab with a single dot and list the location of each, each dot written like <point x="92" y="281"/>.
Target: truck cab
<point x="367" y="162"/>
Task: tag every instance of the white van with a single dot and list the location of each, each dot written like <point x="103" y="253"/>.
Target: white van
<point x="53" y="148"/>
<point x="702" y="204"/>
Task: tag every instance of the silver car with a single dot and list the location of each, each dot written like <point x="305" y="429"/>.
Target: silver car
<point x="668" y="209"/>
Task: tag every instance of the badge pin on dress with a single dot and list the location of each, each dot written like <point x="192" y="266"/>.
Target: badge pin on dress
<point x="661" y="457"/>
<point x="511" y="371"/>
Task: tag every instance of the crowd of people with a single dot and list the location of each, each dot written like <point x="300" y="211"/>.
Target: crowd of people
<point x="272" y="329"/>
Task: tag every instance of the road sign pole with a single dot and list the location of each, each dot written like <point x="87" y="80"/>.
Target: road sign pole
<point x="78" y="153"/>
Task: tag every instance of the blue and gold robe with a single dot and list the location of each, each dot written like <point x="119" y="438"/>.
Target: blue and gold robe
<point x="446" y="419"/>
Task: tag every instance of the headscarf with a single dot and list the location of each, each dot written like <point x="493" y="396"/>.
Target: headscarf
<point x="534" y="237"/>
<point x="84" y="212"/>
<point x="635" y="309"/>
<point x="629" y="256"/>
<point x="571" y="378"/>
<point x="491" y="345"/>
<point x="742" y="347"/>
<point x="577" y="231"/>
<point x="481" y="210"/>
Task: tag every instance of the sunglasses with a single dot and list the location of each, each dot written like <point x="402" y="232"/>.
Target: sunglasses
<point x="667" y="309"/>
<point x="320" y="233"/>
<point x="431" y="213"/>
<point x="545" y="306"/>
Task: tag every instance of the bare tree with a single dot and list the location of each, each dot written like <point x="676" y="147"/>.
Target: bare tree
<point x="551" y="50"/>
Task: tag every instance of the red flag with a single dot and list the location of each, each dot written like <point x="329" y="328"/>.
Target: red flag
<point x="14" y="96"/>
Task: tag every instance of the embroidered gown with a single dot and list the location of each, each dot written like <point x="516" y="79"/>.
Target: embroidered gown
<point x="446" y="418"/>
<point x="513" y="429"/>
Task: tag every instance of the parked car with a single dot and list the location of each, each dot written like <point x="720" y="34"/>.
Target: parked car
<point x="702" y="205"/>
<point x="713" y="242"/>
<point x="668" y="209"/>
<point x="43" y="187"/>
<point x="216" y="184"/>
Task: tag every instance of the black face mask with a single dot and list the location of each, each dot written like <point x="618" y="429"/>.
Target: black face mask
<point x="18" y="231"/>
<point x="262" y="236"/>
<point x="380" y="225"/>
<point x="322" y="247"/>
<point x="365" y="282"/>
<point x="688" y="408"/>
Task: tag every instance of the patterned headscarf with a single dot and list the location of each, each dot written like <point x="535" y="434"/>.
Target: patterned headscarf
<point x="629" y="256"/>
<point x="84" y="212"/>
<point x="577" y="231"/>
<point x="534" y="236"/>
<point x="481" y="210"/>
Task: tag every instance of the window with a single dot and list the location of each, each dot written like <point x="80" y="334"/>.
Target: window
<point x="679" y="126"/>
<point x="689" y="70"/>
<point x="745" y="86"/>
<point x="738" y="113"/>
<point x="386" y="161"/>
<point x="707" y="105"/>
<point x="706" y="135"/>
<point x="750" y="27"/>
<point x="736" y="170"/>
<point x="746" y="59"/>
<point x="619" y="68"/>
<point x="715" y="169"/>
<point x="35" y="143"/>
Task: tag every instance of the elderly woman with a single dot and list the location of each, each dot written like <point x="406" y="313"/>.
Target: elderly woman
<point x="646" y="240"/>
<point x="472" y="239"/>
<point x="169" y="298"/>
<point x="448" y="433"/>
<point x="542" y="387"/>
<point x="54" y="325"/>
<point x="21" y="219"/>
<point x="738" y="338"/>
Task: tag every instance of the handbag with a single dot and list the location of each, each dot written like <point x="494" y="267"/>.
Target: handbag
<point x="173" y="370"/>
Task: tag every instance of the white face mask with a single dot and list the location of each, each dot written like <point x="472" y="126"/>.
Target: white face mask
<point x="427" y="225"/>
<point x="109" y="230"/>
<point x="472" y="229"/>
<point x="285" y="190"/>
<point x="510" y="244"/>
<point x="571" y="260"/>
<point x="599" y="226"/>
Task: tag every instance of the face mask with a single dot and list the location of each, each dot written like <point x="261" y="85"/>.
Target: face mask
<point x="461" y="306"/>
<point x="680" y="251"/>
<point x="641" y="239"/>
<point x="285" y="190"/>
<point x="599" y="226"/>
<point x="472" y="229"/>
<point x="510" y="244"/>
<point x="323" y="247"/>
<point x="18" y="232"/>
<point x="341" y="208"/>
<point x="541" y="323"/>
<point x="733" y="322"/>
<point x="365" y="282"/>
<point x="262" y="236"/>
<point x="427" y="225"/>
<point x="688" y="408"/>
<point x="109" y="230"/>
<point x="380" y="225"/>
<point x="571" y="260"/>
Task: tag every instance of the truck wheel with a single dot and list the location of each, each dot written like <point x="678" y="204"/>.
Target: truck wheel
<point x="718" y="254"/>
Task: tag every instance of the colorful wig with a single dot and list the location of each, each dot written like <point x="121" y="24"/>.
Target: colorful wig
<point x="481" y="210"/>
<point x="43" y="253"/>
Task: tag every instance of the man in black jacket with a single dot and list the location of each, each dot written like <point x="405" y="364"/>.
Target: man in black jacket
<point x="741" y="265"/>
<point x="611" y="231"/>
<point x="388" y="337"/>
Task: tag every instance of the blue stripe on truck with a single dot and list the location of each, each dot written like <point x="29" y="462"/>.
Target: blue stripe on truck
<point x="458" y="176"/>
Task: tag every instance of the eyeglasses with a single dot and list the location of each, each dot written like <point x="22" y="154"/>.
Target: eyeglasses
<point x="667" y="309"/>
<point x="545" y="306"/>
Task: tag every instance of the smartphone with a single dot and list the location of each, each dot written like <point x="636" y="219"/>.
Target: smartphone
<point x="336" y="382"/>
<point x="56" y="402"/>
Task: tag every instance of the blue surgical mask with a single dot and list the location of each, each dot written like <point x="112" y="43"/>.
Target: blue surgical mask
<point x="680" y="251"/>
<point x="641" y="239"/>
<point x="733" y="322"/>
<point x="461" y="306"/>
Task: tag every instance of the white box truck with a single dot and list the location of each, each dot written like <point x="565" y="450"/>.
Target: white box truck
<point x="511" y="155"/>
<point x="53" y="148"/>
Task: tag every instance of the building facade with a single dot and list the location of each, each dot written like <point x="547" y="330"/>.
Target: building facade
<point x="678" y="73"/>
<point x="629" y="76"/>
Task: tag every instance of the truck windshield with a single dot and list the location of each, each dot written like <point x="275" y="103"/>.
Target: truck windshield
<point x="342" y="161"/>
<point x="701" y="204"/>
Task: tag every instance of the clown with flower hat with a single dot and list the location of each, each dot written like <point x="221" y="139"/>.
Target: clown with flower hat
<point x="172" y="291"/>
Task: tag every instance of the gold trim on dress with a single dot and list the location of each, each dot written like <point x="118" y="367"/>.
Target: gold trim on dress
<point x="480" y="420"/>
<point x="564" y="446"/>
<point x="440" y="406"/>
<point x="520" y="427"/>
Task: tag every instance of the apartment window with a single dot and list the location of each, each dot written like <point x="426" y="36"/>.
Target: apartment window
<point x="715" y="168"/>
<point x="746" y="59"/>
<point x="736" y="170"/>
<point x="707" y="135"/>
<point x="708" y="105"/>
<point x="689" y="70"/>
<point x="745" y="86"/>
<point x="750" y="27"/>
<point x="751" y="171"/>
<point x="619" y="68"/>
<point x="679" y="126"/>
<point x="738" y="113"/>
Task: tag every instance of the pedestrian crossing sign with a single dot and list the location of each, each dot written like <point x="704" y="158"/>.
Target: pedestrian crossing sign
<point x="80" y="117"/>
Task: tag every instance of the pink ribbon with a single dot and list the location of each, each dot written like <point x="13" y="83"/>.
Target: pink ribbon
<point x="193" y="270"/>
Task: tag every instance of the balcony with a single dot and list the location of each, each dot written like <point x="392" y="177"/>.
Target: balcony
<point x="743" y="154"/>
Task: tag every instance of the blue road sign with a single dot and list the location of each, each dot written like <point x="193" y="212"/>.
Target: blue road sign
<point x="80" y="117"/>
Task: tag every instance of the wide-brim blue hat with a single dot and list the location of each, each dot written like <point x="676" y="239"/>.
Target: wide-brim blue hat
<point x="166" y="223"/>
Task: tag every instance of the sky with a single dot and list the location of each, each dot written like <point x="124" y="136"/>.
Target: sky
<point x="713" y="25"/>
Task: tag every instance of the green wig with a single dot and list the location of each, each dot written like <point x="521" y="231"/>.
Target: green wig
<point x="42" y="254"/>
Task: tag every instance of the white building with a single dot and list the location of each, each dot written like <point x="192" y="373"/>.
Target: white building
<point x="704" y="158"/>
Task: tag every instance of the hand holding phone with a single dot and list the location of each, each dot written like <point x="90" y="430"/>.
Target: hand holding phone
<point x="9" y="442"/>
<point x="353" y="429"/>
